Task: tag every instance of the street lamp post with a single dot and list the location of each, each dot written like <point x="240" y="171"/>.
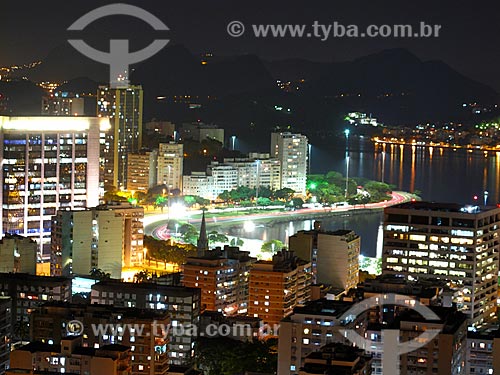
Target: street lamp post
<point x="346" y="132"/>
<point x="309" y="148"/>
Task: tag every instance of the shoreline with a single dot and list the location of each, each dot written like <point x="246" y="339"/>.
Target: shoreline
<point x="157" y="227"/>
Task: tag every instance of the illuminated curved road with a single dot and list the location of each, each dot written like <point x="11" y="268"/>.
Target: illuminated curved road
<point x="156" y="225"/>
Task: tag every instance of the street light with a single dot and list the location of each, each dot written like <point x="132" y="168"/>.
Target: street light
<point x="346" y="132"/>
<point x="233" y="140"/>
<point x="309" y="148"/>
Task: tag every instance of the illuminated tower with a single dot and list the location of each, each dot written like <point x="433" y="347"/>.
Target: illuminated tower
<point x="291" y="150"/>
<point x="449" y="242"/>
<point x="48" y="164"/>
<point x="124" y="107"/>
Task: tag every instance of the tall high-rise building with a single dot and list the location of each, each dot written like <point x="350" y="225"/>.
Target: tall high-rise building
<point x="291" y="150"/>
<point x="48" y="163"/>
<point x="106" y="237"/>
<point x="124" y="107"/>
<point x="18" y="254"/>
<point x="170" y="165"/>
<point x="450" y="242"/>
<point x="142" y="170"/>
<point x="277" y="286"/>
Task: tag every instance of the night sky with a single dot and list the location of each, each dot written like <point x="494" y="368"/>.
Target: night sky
<point x="469" y="41"/>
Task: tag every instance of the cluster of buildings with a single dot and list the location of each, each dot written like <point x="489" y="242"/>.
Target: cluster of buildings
<point x="53" y="172"/>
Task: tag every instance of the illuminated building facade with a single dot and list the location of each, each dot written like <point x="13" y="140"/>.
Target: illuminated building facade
<point x="142" y="170"/>
<point x="310" y="327"/>
<point x="149" y="348"/>
<point x="277" y="286"/>
<point x="48" y="163"/>
<point x="106" y="237"/>
<point x="29" y="292"/>
<point x="181" y="303"/>
<point x="223" y="277"/>
<point x="170" y="165"/>
<point x="257" y="170"/>
<point x="63" y="104"/>
<point x="69" y="356"/>
<point x="450" y="242"/>
<point x="291" y="150"/>
<point x="124" y="108"/>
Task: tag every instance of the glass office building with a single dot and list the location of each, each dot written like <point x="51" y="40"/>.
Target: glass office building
<point x="48" y="163"/>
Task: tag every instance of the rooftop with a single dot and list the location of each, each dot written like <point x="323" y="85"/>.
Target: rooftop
<point x="444" y="207"/>
<point x="152" y="287"/>
<point x="324" y="307"/>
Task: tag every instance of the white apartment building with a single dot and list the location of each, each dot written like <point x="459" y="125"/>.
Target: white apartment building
<point x="107" y="237"/>
<point x="170" y="165"/>
<point x="200" y="184"/>
<point x="257" y="170"/>
<point x="292" y="152"/>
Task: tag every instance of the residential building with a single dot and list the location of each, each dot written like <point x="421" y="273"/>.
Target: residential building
<point x="107" y="237"/>
<point x="292" y="152"/>
<point x="71" y="357"/>
<point x="165" y="128"/>
<point x="124" y="108"/>
<point x="170" y="165"/>
<point x="63" y="104"/>
<point x="483" y="352"/>
<point x="18" y="254"/>
<point x="223" y="276"/>
<point x="336" y="358"/>
<point x="225" y="177"/>
<point x="49" y="163"/>
<point x="5" y="332"/>
<point x="142" y="170"/>
<point x="200" y="132"/>
<point x="311" y="327"/>
<point x="334" y="255"/>
<point x="450" y="242"/>
<point x="257" y="170"/>
<point x="241" y="327"/>
<point x="28" y="292"/>
<point x="144" y="331"/>
<point x="444" y="355"/>
<point x="199" y="184"/>
<point x="182" y="304"/>
<point x="277" y="286"/>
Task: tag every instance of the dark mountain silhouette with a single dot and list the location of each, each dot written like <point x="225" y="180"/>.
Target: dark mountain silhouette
<point x="80" y="85"/>
<point x="21" y="98"/>
<point x="241" y="94"/>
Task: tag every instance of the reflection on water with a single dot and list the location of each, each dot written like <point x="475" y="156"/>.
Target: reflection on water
<point x="440" y="174"/>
